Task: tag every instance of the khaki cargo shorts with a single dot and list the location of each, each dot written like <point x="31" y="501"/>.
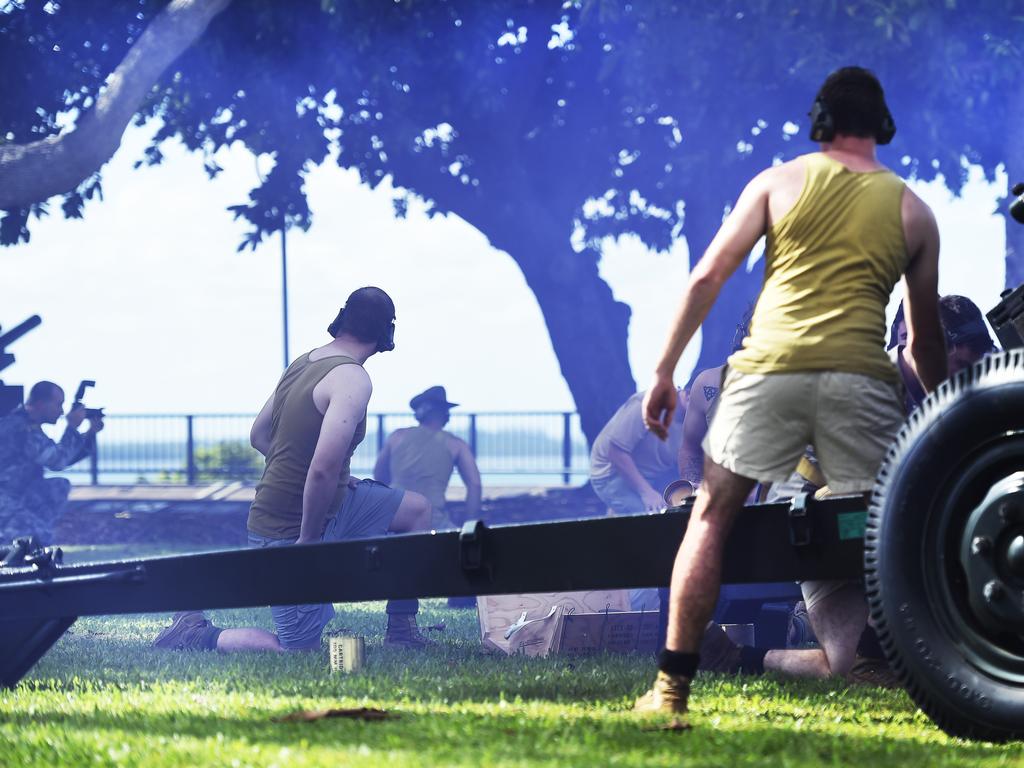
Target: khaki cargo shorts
<point x="764" y="422"/>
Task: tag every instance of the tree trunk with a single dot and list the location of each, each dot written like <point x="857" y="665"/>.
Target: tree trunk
<point x="32" y="173"/>
<point x="589" y="331"/>
<point x="738" y="294"/>
<point x="587" y="326"/>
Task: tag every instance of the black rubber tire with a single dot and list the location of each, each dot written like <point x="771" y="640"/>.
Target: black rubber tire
<point x="968" y="679"/>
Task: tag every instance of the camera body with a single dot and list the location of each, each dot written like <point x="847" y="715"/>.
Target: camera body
<point x="90" y="413"/>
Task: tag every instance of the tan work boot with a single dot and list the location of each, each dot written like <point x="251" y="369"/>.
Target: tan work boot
<point x="402" y="632"/>
<point x="668" y="695"/>
<point x="188" y="631"/>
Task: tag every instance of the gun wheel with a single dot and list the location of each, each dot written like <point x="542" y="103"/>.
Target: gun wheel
<point x="944" y="552"/>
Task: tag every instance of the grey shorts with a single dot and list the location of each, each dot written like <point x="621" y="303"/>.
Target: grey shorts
<point x="367" y="511"/>
<point x="814" y="592"/>
<point x="764" y="422"/>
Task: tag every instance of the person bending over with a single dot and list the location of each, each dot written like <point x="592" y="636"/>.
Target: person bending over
<point x="630" y="467"/>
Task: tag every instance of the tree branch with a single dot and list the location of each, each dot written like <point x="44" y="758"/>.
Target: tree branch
<point x="32" y="173"/>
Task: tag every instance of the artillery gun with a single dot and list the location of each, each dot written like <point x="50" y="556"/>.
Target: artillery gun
<point x="940" y="546"/>
<point x="11" y="396"/>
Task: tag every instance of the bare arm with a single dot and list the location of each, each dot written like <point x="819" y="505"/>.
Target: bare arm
<point x="626" y="467"/>
<point x="465" y="463"/>
<point x="259" y="435"/>
<point x="695" y="426"/>
<point x="347" y="389"/>
<point x="736" y="237"/>
<point x="926" y="342"/>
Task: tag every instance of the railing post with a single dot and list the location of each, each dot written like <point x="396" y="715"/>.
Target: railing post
<point x="472" y="433"/>
<point x="190" y="453"/>
<point x="380" y="433"/>
<point x="566" y="447"/>
<point x="94" y="462"/>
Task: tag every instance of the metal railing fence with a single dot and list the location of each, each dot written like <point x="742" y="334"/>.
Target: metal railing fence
<point x="510" y="447"/>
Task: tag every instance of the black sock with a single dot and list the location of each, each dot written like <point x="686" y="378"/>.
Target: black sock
<point x="868" y="645"/>
<point x="752" y="660"/>
<point x="677" y="663"/>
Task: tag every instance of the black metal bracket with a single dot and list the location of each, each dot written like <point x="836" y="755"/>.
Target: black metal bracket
<point x="471" y="545"/>
<point x="473" y="556"/>
<point x="373" y="560"/>
<point x="800" y="528"/>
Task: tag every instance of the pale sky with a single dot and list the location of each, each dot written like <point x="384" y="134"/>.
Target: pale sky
<point x="147" y="295"/>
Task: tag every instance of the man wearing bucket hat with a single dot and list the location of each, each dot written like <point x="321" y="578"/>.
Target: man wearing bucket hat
<point x="422" y="458"/>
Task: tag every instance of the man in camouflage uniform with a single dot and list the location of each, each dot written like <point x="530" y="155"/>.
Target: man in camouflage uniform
<point x="29" y="503"/>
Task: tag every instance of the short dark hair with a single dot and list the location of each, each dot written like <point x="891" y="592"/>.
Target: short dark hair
<point x="856" y="101"/>
<point x="964" y="324"/>
<point x="366" y="315"/>
<point x="43" y="390"/>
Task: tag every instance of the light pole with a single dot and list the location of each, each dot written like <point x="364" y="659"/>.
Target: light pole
<point x="284" y="288"/>
<point x="284" y="269"/>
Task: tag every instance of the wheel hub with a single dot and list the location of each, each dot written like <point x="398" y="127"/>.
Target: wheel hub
<point x="992" y="555"/>
<point x="1015" y="556"/>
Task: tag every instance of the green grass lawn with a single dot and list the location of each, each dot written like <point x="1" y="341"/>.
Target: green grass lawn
<point x="103" y="697"/>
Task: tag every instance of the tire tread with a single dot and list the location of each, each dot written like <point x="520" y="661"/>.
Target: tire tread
<point x="992" y="370"/>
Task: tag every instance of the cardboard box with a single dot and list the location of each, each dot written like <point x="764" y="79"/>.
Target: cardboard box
<point x="532" y="624"/>
<point x="630" y="632"/>
<point x="566" y="622"/>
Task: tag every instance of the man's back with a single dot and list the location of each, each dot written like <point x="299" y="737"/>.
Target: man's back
<point x="296" y="421"/>
<point x="422" y="460"/>
<point x="831" y="261"/>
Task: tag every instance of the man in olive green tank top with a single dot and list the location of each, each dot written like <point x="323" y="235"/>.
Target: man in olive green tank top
<point x="841" y="230"/>
<point x="308" y="430"/>
<point x="422" y="458"/>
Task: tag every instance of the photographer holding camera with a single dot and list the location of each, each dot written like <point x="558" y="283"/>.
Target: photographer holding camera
<point x="29" y="503"/>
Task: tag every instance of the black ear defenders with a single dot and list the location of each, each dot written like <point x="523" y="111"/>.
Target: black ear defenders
<point x="823" y="127"/>
<point x="386" y="340"/>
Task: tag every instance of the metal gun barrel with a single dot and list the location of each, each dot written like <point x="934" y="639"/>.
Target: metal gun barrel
<point x="18" y="331"/>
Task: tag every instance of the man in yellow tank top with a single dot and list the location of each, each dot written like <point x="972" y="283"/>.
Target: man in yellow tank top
<point x="841" y="230"/>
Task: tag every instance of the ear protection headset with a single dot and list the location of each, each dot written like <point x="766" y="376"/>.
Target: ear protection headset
<point x="823" y="128"/>
<point x="386" y="340"/>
